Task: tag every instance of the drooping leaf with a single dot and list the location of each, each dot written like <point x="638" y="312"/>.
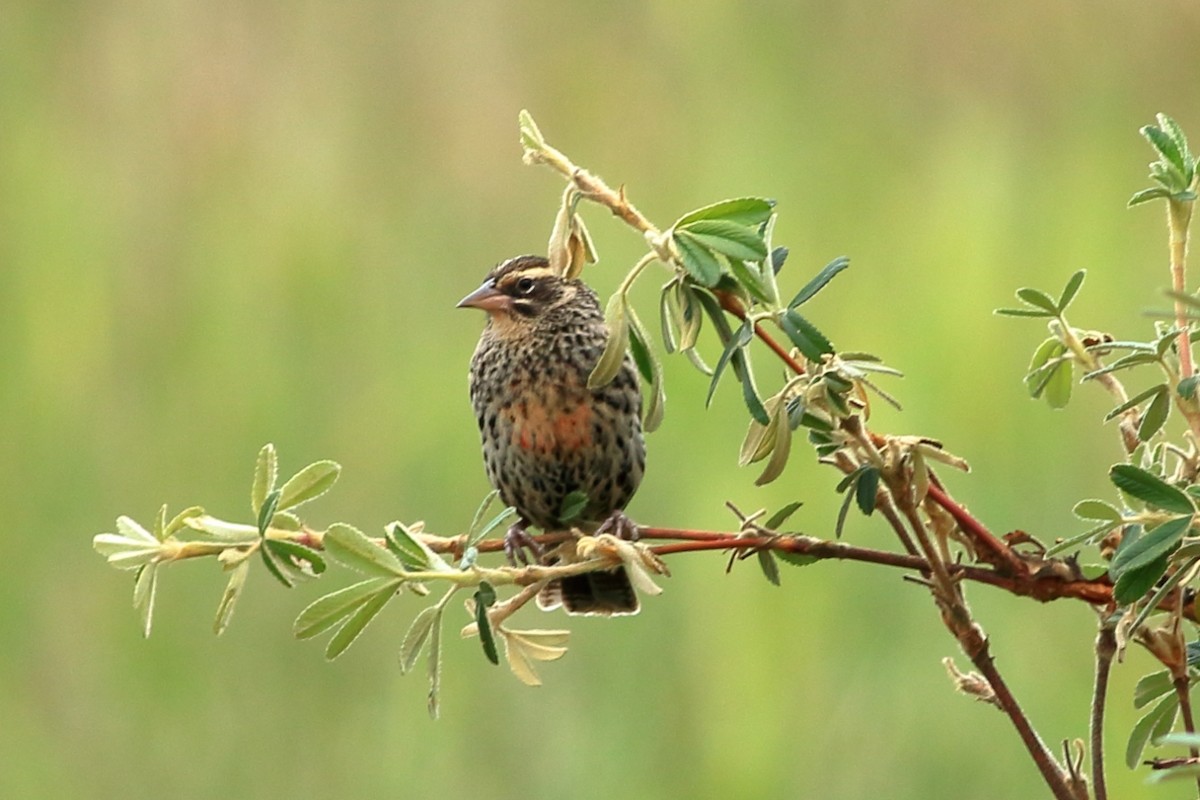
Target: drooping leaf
<point x="749" y="391"/>
<point x="1136" y="400"/>
<point x="415" y="638"/>
<point x="309" y="483"/>
<point x="145" y="588"/>
<point x="1151" y="726"/>
<point x="865" y="490"/>
<point x="435" y="667"/>
<point x="485" y="596"/>
<point x="1150" y="489"/>
<point x="1155" y="415"/>
<point x="770" y="569"/>
<point x="229" y="598"/>
<point x="610" y="361"/>
<point x="648" y="364"/>
<point x="1152" y="686"/>
<point x="733" y="344"/>
<point x="297" y="553"/>
<point x="325" y="612"/>
<point x="779" y="453"/>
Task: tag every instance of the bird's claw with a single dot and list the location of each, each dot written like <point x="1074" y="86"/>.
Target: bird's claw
<point x="519" y="546"/>
<point x="620" y="526"/>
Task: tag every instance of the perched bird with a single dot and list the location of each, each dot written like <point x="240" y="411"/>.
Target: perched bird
<point x="546" y="435"/>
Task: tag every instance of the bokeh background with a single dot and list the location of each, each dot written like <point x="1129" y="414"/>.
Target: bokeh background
<point x="226" y="223"/>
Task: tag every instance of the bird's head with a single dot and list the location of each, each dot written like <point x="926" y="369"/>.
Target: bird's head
<point x="521" y="292"/>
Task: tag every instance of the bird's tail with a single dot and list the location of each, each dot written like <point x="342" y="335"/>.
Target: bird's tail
<point x="605" y="593"/>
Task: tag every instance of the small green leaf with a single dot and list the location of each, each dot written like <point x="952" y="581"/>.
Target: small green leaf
<point x="1038" y="299"/>
<point x="796" y="559"/>
<point x="297" y="553"/>
<point x="309" y="483"/>
<point x="1151" y="726"/>
<point x="266" y="472"/>
<point x="1022" y="312"/>
<point x="1090" y="535"/>
<point x="485" y="596"/>
<point x="1146" y="195"/>
<point x="328" y="611"/>
<point x="572" y="506"/>
<point x="779" y="453"/>
<point x="728" y="238"/>
<point x="749" y="391"/>
<point x="145" y="588"/>
<point x="435" y="667"/>
<point x="473" y="536"/>
<point x="781" y="516"/>
<point x="648" y="364"/>
<point x="1150" y="489"/>
<point x="348" y="546"/>
<point x="1166" y="146"/>
<point x="1137" y="399"/>
<point x="770" y="569"/>
<point x="1155" y="415"/>
<point x="733" y="344"/>
<point x="411" y="552"/>
<point x="1172" y="129"/>
<point x="818" y="282"/>
<point x="1097" y="510"/>
<point x="418" y="632"/>
<point x="1156" y="684"/>
<point x="805" y="336"/>
<point x="180" y="520"/>
<point x="610" y="361"/>
<point x="1124" y="362"/>
<point x="865" y="490"/>
<point x="1151" y="546"/>
<point x="266" y="511"/>
<point x="1070" y="290"/>
<point x="357" y="621"/>
<point x="747" y="275"/>
<point x="233" y="590"/>
<point x="273" y="566"/>
<point x="1187" y="387"/>
<point x="740" y="210"/>
<point x="697" y="259"/>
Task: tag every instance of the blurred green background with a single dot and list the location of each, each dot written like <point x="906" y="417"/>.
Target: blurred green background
<point x="224" y="223"/>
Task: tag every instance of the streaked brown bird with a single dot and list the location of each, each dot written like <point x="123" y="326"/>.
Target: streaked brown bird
<point x="546" y="435"/>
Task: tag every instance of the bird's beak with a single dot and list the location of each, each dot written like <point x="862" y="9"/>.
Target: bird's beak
<point x="486" y="297"/>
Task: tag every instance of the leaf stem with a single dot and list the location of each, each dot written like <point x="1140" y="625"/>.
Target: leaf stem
<point x="1106" y="648"/>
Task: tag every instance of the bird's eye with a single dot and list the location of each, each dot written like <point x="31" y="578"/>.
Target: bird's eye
<point x="524" y="286"/>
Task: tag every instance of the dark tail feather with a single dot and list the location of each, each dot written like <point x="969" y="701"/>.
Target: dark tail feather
<point x="605" y="593"/>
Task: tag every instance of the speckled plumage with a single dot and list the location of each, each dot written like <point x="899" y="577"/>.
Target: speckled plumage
<point x="544" y="433"/>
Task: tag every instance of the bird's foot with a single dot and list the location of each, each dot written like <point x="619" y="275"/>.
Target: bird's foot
<point x="519" y="546"/>
<point x="620" y="526"/>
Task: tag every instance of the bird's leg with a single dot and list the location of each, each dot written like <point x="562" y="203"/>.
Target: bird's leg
<point x="518" y="545"/>
<point x="620" y="526"/>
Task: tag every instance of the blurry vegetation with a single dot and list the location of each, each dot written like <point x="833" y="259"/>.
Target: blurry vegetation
<point x="227" y="225"/>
